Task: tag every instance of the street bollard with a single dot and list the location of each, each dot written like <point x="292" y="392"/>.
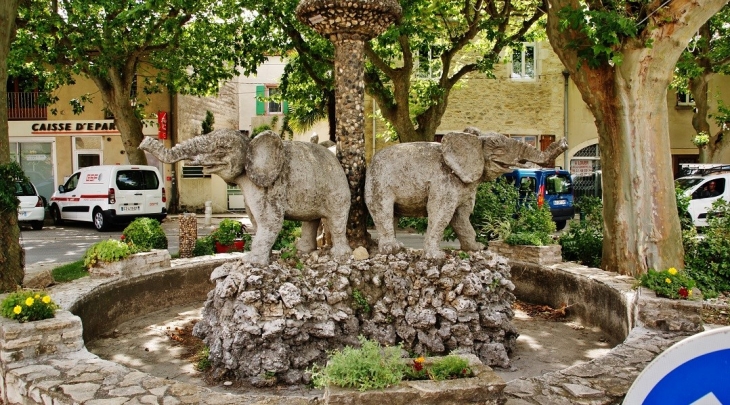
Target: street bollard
<point x="188" y="234"/>
<point x="208" y="212"/>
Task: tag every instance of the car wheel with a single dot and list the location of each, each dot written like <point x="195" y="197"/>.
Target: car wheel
<point x="559" y="225"/>
<point x="100" y="222"/>
<point x="56" y="215"/>
<point x="37" y="225"/>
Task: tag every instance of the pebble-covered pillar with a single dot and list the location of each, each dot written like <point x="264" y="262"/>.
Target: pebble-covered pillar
<point x="348" y="24"/>
<point x="188" y="234"/>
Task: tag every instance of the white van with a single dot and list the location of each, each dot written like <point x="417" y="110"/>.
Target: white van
<point x="704" y="190"/>
<point x="110" y="194"/>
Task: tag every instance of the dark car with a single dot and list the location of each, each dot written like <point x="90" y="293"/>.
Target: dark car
<point x="553" y="187"/>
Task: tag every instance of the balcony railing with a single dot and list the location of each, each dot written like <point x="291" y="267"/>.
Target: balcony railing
<point x="24" y="106"/>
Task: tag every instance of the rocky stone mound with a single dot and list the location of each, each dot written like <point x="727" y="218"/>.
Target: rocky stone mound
<point x="271" y="323"/>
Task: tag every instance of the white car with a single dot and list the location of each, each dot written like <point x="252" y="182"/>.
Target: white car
<point x="32" y="209"/>
<point x="704" y="190"/>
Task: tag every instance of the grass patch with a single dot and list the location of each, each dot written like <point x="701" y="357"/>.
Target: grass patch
<point x="69" y="272"/>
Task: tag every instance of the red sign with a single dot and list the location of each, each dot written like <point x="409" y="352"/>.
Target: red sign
<point x="162" y="124"/>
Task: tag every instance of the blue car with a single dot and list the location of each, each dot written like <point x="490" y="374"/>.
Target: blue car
<point x="553" y="187"/>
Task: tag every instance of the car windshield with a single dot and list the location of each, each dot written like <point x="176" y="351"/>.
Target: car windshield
<point x="688" y="182"/>
<point x="24" y="189"/>
<point x="558" y="184"/>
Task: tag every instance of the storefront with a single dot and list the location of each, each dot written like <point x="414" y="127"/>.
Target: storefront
<point x="50" y="151"/>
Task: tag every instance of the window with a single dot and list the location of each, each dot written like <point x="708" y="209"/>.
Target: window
<point x="710" y="189"/>
<point x="71" y="183"/>
<point x="428" y="63"/>
<point x="523" y="62"/>
<point x="685" y="99"/>
<point x="558" y="184"/>
<point x="137" y="180"/>
<point x="268" y="101"/>
<point x="528" y="139"/>
<point x="194" y="172"/>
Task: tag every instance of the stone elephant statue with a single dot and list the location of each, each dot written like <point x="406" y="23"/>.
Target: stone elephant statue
<point x="439" y="180"/>
<point x="279" y="179"/>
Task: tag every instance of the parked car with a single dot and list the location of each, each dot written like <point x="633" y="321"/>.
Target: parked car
<point x="553" y="187"/>
<point x="704" y="190"/>
<point x="105" y="195"/>
<point x="32" y="208"/>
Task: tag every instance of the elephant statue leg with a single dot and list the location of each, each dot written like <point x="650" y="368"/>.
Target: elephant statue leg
<point x="463" y="228"/>
<point x="308" y="241"/>
<point x="267" y="210"/>
<point x="439" y="215"/>
<point x="384" y="209"/>
<point x="337" y="228"/>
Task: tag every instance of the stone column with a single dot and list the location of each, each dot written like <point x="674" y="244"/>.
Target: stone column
<point x="348" y="24"/>
<point x="349" y="128"/>
<point x="188" y="234"/>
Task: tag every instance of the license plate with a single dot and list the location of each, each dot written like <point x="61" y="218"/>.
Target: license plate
<point x="560" y="202"/>
<point x="129" y="208"/>
<point x="23" y="213"/>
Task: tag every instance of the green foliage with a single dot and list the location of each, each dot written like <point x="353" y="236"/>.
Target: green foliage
<point x="110" y="250"/>
<point x="204" y="246"/>
<point x="289" y="233"/>
<point x="69" y="272"/>
<point x="360" y="302"/>
<point x="228" y="231"/>
<point x="449" y="367"/>
<point x="145" y="234"/>
<point x="203" y="363"/>
<point x="670" y="283"/>
<point x="28" y="306"/>
<point x="207" y="124"/>
<point x="463" y="255"/>
<point x="9" y="174"/>
<point x="525" y="238"/>
<point x="369" y="367"/>
<point x="583" y="242"/>
<point x="707" y="261"/>
<point x="533" y="226"/>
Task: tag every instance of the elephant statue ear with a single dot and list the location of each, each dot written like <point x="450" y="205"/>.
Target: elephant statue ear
<point x="462" y="153"/>
<point x="265" y="158"/>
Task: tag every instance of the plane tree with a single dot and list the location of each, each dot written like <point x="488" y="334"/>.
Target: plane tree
<point x="181" y="46"/>
<point x="621" y="55"/>
<point x="708" y="54"/>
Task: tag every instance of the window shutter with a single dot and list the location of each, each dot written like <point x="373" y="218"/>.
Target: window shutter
<point x="260" y="105"/>
<point x="286" y="107"/>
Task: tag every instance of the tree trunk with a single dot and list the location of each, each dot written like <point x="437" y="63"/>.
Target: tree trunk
<point x="12" y="257"/>
<point x="629" y="104"/>
<point x="698" y="88"/>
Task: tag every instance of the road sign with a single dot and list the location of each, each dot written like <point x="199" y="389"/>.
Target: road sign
<point x="694" y="371"/>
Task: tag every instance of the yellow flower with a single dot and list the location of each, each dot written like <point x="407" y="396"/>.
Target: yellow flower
<point x="18" y="309"/>
<point x="29" y="301"/>
<point x="420" y="359"/>
<point x="47" y="299"/>
<point x="689" y="293"/>
<point x="668" y="280"/>
<point x="37" y="296"/>
<point x="672" y="271"/>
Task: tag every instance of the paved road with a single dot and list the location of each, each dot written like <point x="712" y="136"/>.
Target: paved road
<point x="67" y="243"/>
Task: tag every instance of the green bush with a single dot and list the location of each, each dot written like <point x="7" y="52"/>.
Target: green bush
<point x="449" y="367"/>
<point x="533" y="225"/>
<point x="110" y="250"/>
<point x="228" y="231"/>
<point x="204" y="246"/>
<point x="369" y="367"/>
<point x="526" y="238"/>
<point x="28" y="306"/>
<point x="289" y="233"/>
<point x="583" y="242"/>
<point x="146" y="234"/>
<point x="670" y="283"/>
<point x="707" y="260"/>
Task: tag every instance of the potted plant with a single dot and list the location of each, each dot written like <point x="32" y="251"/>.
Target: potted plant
<point x="229" y="236"/>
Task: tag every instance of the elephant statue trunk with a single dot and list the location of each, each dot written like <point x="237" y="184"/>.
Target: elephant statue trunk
<point x="279" y="180"/>
<point x="440" y="180"/>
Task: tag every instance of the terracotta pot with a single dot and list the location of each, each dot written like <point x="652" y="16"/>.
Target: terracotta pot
<point x="237" y="246"/>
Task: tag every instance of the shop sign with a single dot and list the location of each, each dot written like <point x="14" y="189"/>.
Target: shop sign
<point x="581" y="167"/>
<point x="35" y="158"/>
<point x="162" y="124"/>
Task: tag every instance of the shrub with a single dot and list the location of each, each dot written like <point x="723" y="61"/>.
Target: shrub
<point x="28" y="306"/>
<point x="708" y="259"/>
<point x="204" y="246"/>
<point x="109" y="251"/>
<point x="525" y="238"/>
<point x="289" y="233"/>
<point x="369" y="367"/>
<point x="671" y="283"/>
<point x="146" y="234"/>
<point x="532" y="225"/>
<point x="228" y="231"/>
<point x="583" y="242"/>
<point x="449" y="367"/>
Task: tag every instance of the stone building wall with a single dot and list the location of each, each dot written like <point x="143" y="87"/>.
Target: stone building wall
<point x="191" y="113"/>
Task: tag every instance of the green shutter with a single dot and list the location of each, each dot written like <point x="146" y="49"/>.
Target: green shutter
<point x="286" y="108"/>
<point x="260" y="105"/>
